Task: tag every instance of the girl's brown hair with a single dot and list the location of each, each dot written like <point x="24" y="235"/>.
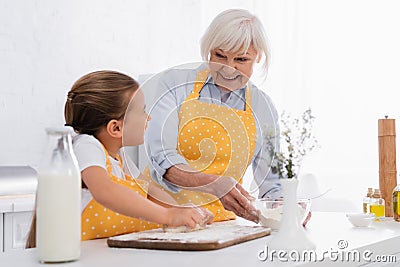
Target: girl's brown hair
<point x="92" y="102"/>
<point x="97" y="98"/>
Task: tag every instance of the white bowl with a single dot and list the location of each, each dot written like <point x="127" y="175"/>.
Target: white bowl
<point x="271" y="211"/>
<point x="361" y="219"/>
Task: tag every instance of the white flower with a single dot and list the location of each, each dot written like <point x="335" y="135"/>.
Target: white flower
<point x="296" y="140"/>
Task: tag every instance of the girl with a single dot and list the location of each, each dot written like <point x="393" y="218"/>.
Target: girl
<point x="103" y="107"/>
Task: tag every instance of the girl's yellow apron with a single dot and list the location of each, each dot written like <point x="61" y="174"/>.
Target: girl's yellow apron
<point x="100" y="222"/>
<point x="216" y="140"/>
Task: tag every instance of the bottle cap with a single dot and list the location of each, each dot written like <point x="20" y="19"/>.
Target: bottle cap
<point x="377" y="193"/>
<point x="59" y="130"/>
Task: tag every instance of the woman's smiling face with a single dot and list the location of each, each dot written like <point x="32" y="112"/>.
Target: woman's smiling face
<point x="232" y="70"/>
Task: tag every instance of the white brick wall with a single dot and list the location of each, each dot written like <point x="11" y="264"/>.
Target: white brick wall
<point x="45" y="45"/>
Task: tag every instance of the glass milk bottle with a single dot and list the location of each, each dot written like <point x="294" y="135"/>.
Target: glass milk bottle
<point x="58" y="204"/>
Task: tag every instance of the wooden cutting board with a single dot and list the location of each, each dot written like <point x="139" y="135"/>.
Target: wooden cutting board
<point x="215" y="236"/>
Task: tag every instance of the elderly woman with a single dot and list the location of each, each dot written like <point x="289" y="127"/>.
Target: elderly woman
<point x="207" y="123"/>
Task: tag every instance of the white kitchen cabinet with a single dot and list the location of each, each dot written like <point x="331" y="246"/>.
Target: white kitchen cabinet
<point x="17" y="201"/>
<point x="16" y="227"/>
<point x="15" y="221"/>
<point x="1" y="232"/>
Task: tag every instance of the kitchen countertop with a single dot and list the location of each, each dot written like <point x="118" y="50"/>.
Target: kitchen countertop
<point x="328" y="230"/>
<point x="17" y="180"/>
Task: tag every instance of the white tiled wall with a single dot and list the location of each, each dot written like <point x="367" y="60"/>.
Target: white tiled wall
<point x="46" y="45"/>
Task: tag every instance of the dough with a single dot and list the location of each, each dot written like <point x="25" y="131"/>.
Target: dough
<point x="272" y="217"/>
<point x="183" y="229"/>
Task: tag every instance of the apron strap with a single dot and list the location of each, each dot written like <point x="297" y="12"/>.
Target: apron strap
<point x="108" y="162"/>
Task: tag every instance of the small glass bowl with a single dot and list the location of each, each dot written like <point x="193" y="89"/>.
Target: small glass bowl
<point x="271" y="211"/>
<point x="361" y="219"/>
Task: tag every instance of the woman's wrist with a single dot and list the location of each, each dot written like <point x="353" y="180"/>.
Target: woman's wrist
<point x="185" y="177"/>
<point x="189" y="179"/>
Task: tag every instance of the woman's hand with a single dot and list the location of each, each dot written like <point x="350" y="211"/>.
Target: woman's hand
<point x="304" y="206"/>
<point x="188" y="216"/>
<point x="239" y="201"/>
<point x="234" y="198"/>
<point x="307" y="219"/>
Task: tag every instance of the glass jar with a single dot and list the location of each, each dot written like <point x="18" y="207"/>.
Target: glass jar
<point x="367" y="201"/>
<point x="377" y="205"/>
<point x="396" y="203"/>
<point x="58" y="203"/>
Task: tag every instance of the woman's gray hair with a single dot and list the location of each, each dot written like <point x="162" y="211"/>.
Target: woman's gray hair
<point x="234" y="30"/>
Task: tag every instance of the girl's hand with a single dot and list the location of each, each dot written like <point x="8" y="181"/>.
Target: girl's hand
<point x="188" y="216"/>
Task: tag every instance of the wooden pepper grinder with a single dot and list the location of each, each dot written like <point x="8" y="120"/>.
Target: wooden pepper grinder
<point x="387" y="161"/>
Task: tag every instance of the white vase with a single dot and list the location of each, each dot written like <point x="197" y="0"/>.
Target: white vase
<point x="291" y="235"/>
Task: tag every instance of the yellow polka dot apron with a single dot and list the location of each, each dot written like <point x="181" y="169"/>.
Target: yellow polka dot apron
<point x="214" y="139"/>
<point x="100" y="222"/>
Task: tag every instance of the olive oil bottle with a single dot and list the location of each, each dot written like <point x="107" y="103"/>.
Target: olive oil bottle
<point x="367" y="200"/>
<point x="377" y="205"/>
<point x="396" y="203"/>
